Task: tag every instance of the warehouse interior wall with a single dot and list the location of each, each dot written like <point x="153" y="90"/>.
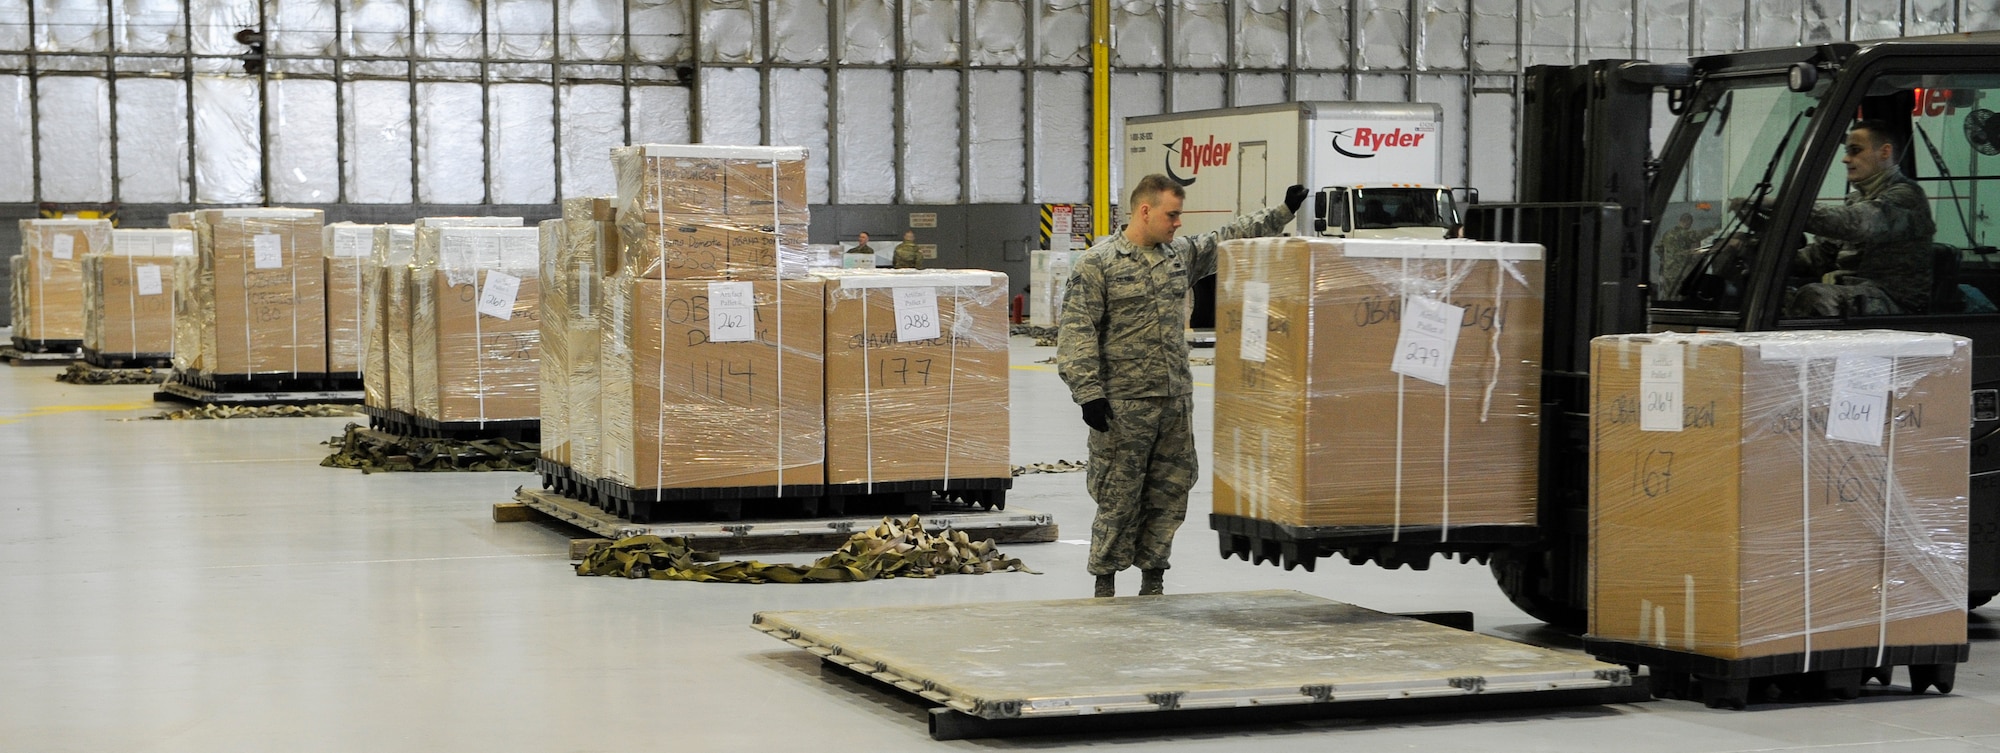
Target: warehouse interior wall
<point x="472" y="105"/>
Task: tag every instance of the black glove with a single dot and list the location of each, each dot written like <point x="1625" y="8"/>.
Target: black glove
<point x="1097" y="414"/>
<point x="1295" y="197"/>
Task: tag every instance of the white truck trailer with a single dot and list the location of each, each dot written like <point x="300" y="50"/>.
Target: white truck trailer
<point x="1376" y="168"/>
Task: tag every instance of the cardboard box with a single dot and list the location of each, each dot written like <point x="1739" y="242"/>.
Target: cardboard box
<point x="904" y="406"/>
<point x="475" y="331"/>
<point x="392" y="248"/>
<point x="555" y="322"/>
<point x="349" y="247"/>
<point x="399" y="302"/>
<point x="681" y="208"/>
<point x="51" y="276"/>
<point x="1312" y="425"/>
<point x="1742" y="485"/>
<point x="129" y="292"/>
<point x="572" y="259"/>
<point x="1048" y="275"/>
<point x="263" y="295"/>
<point x="684" y="409"/>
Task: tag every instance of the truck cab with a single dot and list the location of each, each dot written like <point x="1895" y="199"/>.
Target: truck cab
<point x="1390" y="210"/>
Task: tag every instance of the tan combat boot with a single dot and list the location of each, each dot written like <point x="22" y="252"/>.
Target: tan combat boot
<point x="1107" y="586"/>
<point x="1152" y="582"/>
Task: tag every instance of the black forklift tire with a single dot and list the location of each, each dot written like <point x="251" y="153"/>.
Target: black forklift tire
<point x="1524" y="577"/>
<point x="1980" y="598"/>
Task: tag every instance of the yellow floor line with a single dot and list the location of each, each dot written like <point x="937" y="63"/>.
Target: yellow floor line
<point x="53" y="410"/>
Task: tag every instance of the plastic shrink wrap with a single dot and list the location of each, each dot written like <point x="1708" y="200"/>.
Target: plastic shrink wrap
<point x="258" y="301"/>
<point x="1777" y="493"/>
<point x="694" y="212"/>
<point x="390" y="251"/>
<point x="50" y="290"/>
<point x="916" y="375"/>
<point x="573" y="255"/>
<point x="475" y="332"/>
<point x="398" y="303"/>
<point x="1378" y="383"/>
<point x="129" y="293"/>
<point x="348" y="248"/>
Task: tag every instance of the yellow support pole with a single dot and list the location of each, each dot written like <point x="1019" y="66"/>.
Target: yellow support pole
<point x="1100" y="119"/>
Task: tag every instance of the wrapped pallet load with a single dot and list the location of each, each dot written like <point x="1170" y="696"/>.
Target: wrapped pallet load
<point x="129" y="294"/>
<point x="474" y="334"/>
<point x="916" y="376"/>
<point x="348" y="248"/>
<point x="697" y="212"/>
<point x="49" y="285"/>
<point x="390" y="250"/>
<point x="1785" y="493"/>
<point x="1378" y="384"/>
<point x="573" y="251"/>
<point x="257" y="297"/>
<point x="398" y="303"/>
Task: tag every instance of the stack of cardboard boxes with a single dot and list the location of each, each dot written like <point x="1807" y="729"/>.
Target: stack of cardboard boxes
<point x="1378" y="384"/>
<point x="48" y="279"/>
<point x="128" y="294"/>
<point x="348" y="249"/>
<point x="390" y="251"/>
<point x="576" y="250"/>
<point x="1048" y="275"/>
<point x="253" y="299"/>
<point x="1779" y="493"/>
<point x="475" y="338"/>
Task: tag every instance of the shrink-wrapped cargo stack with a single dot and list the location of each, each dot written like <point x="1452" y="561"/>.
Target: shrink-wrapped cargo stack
<point x="1048" y="275"/>
<point x="1378" y="385"/>
<point x="474" y="334"/>
<point x="390" y="251"/>
<point x="129" y="296"/>
<point x="48" y="281"/>
<point x="348" y="247"/>
<point x="398" y="256"/>
<point x="1790" y="494"/>
<point x="253" y="299"/>
<point x="575" y="250"/>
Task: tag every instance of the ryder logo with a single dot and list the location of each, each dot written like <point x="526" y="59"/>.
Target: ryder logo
<point x="1192" y="156"/>
<point x="1363" y="143"/>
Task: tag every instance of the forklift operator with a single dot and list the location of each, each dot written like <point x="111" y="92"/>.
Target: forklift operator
<point x="1873" y="256"/>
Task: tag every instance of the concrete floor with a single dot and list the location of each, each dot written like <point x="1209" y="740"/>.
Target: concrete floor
<point x="205" y="586"/>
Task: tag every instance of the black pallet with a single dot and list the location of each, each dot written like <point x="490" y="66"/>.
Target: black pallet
<point x="566" y="481"/>
<point x="104" y="360"/>
<point x="709" y="503"/>
<point x="403" y="424"/>
<point x="1261" y="541"/>
<point x="917" y="496"/>
<point x="319" y="381"/>
<point x="1834" y="674"/>
<point x="26" y="345"/>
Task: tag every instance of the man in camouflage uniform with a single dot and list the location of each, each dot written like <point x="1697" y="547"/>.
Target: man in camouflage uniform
<point x="1122" y="349"/>
<point x="1676" y="250"/>
<point x="1873" y="256"/>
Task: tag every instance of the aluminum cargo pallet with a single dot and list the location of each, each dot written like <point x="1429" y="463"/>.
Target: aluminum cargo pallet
<point x="19" y="357"/>
<point x="1092" y="664"/>
<point x="745" y="536"/>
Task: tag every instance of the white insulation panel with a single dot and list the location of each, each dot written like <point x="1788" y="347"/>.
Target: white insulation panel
<point x="930" y="137"/>
<point x="1929" y="17"/>
<point x="659" y="30"/>
<point x="140" y="26"/>
<point x="451" y="159"/>
<point x="1133" y="95"/>
<point x="1719" y="28"/>
<point x="1449" y="92"/>
<point x="798" y="31"/>
<point x="448" y="29"/>
<point x="999" y="164"/>
<point x="379" y="164"/>
<point x="215" y="25"/>
<point x="1776" y="27"/>
<point x="521" y="29"/>
<point x="1490" y="167"/>
<point x="1139" y="33"/>
<point x="523" y="138"/>
<point x="1495" y="37"/>
<point x="74" y="115"/>
<point x="1260" y="89"/>
<point x="1201" y="33"/>
<point x="17" y="157"/>
<point x="592" y="29"/>
<point x="592" y="125"/>
<point x="1197" y="91"/>
<point x="1385" y="34"/>
<point x="731" y="31"/>
<point x="1442" y="36"/>
<point x="376" y="28"/>
<point x="1549" y="28"/>
<point x="1382" y="87"/>
<point x="227" y="147"/>
<point x="305" y="155"/>
<point x="152" y="140"/>
<point x="1062" y="153"/>
<point x="798" y="118"/>
<point x="660" y="116"/>
<point x="867" y="170"/>
<point x="300" y="27"/>
<point x="1877" y="19"/>
<point x="731" y="106"/>
<point x="1263" y="29"/>
<point x="1063" y="32"/>
<point x="1607" y="29"/>
<point x="870" y="27"/>
<point x="1324" y="24"/>
<point x="70" y="26"/>
<point x="1825" y="21"/>
<point x="930" y="37"/>
<point x="14" y="31"/>
<point x="1320" y="86"/>
<point x="1663" y="30"/>
<point x="1982" y="17"/>
<point x="998" y="26"/>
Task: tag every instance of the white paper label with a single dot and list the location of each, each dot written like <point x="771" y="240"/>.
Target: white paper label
<point x="732" y="312"/>
<point x="497" y="299"/>
<point x="916" y="314"/>
<point x="1860" y="399"/>
<point x="1256" y="319"/>
<point x="1660" y="386"/>
<point x="149" y="280"/>
<point x="349" y="244"/>
<point x="65" y="247"/>
<point x="269" y="250"/>
<point x="1429" y="338"/>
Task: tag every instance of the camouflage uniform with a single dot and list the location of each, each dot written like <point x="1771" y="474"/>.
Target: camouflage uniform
<point x="1676" y="253"/>
<point x="1123" y="337"/>
<point x="908" y="256"/>
<point x="1881" y="236"/>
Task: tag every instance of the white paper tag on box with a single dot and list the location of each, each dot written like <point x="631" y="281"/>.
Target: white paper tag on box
<point x="1860" y="399"/>
<point x="349" y="242"/>
<point x="916" y="313"/>
<point x="149" y="280"/>
<point x="1256" y="319"/>
<point x="732" y="312"/>
<point x="269" y="250"/>
<point x="65" y="246"/>
<point x="1428" y="340"/>
<point x="1661" y="386"/>
<point x="497" y="299"/>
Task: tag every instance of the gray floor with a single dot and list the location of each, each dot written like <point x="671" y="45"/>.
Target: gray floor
<point x="206" y="586"/>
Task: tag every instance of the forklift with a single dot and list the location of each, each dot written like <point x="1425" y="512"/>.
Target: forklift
<point x="1763" y="126"/>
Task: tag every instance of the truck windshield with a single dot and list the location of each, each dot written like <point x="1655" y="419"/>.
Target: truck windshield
<point x="1398" y="207"/>
<point x="1744" y="132"/>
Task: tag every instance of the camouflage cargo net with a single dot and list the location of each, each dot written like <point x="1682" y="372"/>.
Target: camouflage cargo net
<point x="1044" y="336"/>
<point x="83" y="373"/>
<point x="1060" y="466"/>
<point x="372" y="451"/>
<point x="893" y="549"/>
<point x="206" y="412"/>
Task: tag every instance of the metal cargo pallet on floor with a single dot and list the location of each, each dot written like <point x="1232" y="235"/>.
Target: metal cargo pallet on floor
<point x="260" y="389"/>
<point x="788" y="535"/>
<point x="1149" y="662"/>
